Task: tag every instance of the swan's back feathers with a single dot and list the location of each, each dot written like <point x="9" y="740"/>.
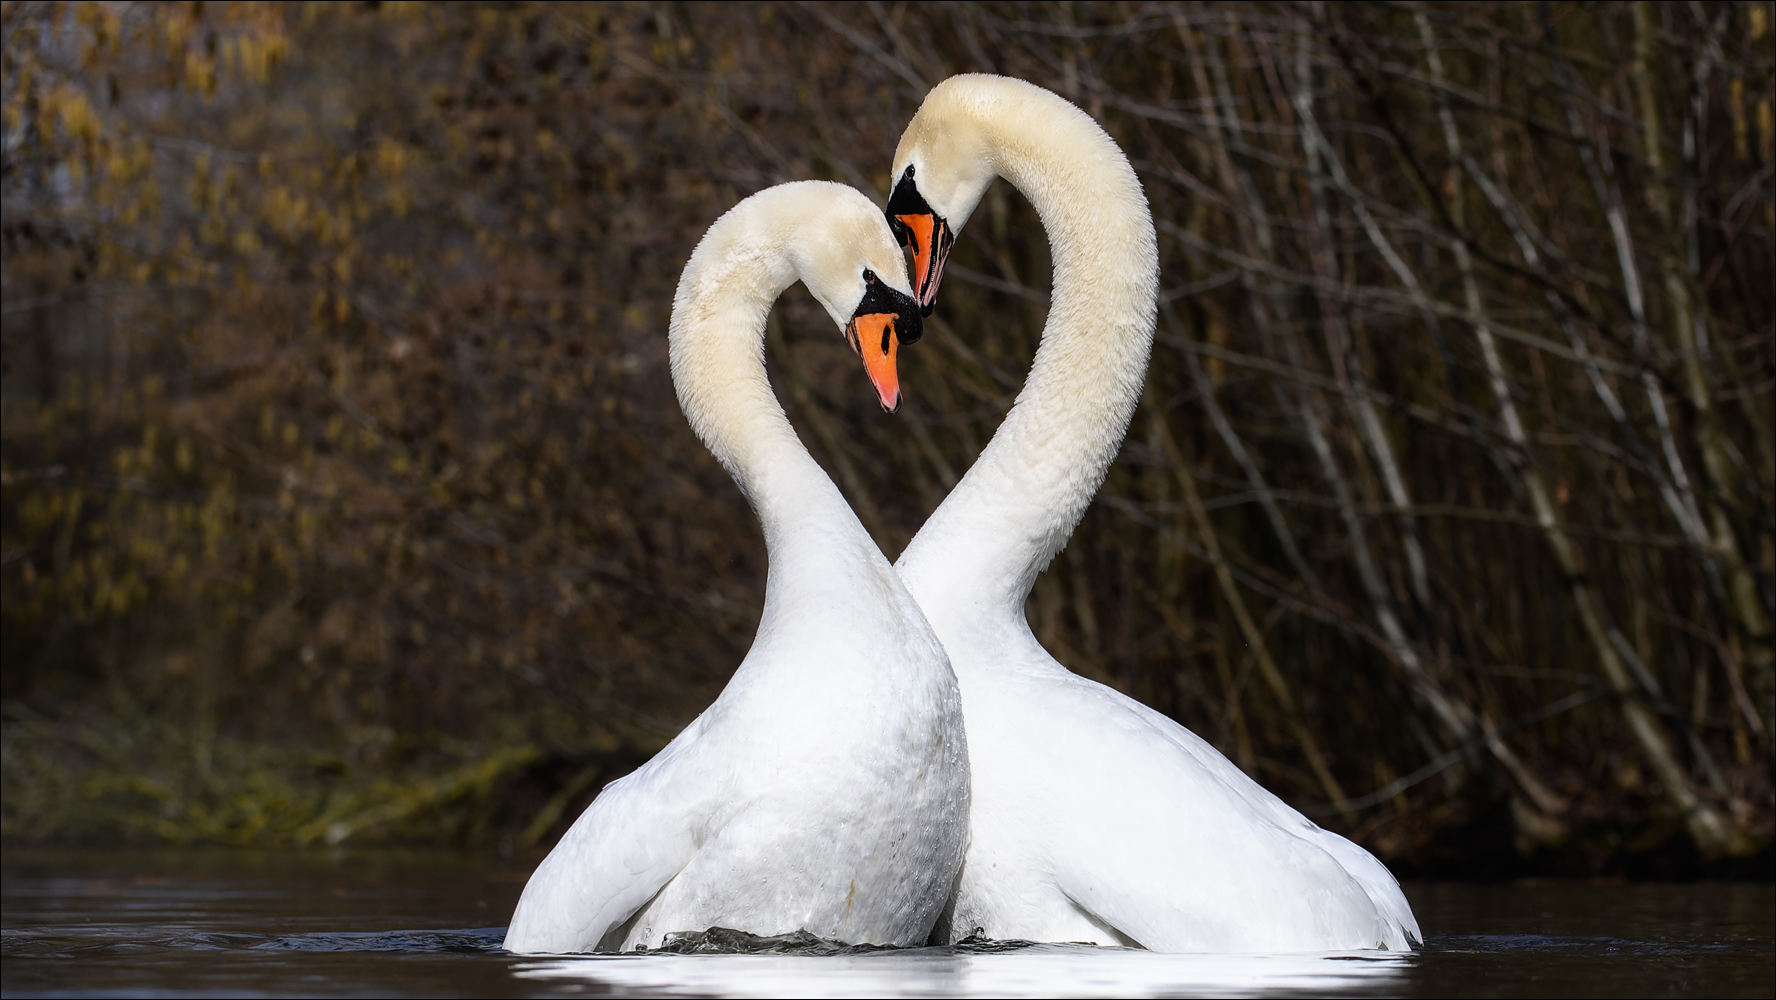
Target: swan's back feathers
<point x="1263" y="848"/>
<point x="1087" y="800"/>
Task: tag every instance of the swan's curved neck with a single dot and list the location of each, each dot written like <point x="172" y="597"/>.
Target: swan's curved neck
<point x="1021" y="500"/>
<point x="718" y="369"/>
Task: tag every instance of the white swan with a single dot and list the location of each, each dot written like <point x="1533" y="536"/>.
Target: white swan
<point x="826" y="789"/>
<point x="1095" y="818"/>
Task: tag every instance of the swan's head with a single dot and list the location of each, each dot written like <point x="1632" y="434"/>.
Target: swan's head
<point x="944" y="164"/>
<point x="850" y="262"/>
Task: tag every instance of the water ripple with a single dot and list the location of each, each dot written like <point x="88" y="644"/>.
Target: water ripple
<point x="89" y="940"/>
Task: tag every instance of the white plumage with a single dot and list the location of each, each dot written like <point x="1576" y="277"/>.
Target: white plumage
<point x="826" y="789"/>
<point x="1094" y="818"/>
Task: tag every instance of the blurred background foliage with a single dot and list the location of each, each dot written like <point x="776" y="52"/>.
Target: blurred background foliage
<point x="345" y="495"/>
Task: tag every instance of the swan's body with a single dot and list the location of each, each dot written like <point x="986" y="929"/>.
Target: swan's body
<point x="826" y="789"/>
<point x="1094" y="817"/>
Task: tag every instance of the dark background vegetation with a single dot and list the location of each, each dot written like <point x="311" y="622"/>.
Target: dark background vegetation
<point x="345" y="496"/>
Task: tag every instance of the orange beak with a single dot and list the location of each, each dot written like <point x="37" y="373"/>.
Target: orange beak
<point x="930" y="239"/>
<point x="873" y="337"/>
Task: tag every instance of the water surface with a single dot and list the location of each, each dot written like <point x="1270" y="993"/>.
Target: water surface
<point x="79" y="923"/>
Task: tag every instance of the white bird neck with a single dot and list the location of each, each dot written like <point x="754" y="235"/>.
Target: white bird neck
<point x="718" y="369"/>
<point x="1019" y="503"/>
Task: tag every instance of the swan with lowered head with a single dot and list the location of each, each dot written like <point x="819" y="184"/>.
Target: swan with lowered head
<point x="826" y="789"/>
<point x="1094" y="817"/>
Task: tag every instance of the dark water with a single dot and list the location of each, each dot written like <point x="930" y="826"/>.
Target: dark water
<point x="429" y="924"/>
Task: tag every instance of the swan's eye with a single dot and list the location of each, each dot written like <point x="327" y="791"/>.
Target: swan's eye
<point x="909" y="173"/>
<point x="869" y="276"/>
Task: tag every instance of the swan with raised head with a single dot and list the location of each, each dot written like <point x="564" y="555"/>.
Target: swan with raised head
<point x="1094" y="817"/>
<point x="826" y="789"/>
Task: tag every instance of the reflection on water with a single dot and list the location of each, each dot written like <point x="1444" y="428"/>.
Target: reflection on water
<point x="232" y="924"/>
<point x="1034" y="970"/>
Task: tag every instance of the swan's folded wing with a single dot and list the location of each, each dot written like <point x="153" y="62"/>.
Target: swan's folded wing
<point x="617" y="856"/>
<point x="1199" y="862"/>
<point x="1384" y="891"/>
<point x="1400" y="928"/>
